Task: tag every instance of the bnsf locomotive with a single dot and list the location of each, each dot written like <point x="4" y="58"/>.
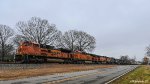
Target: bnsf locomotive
<point x="29" y="52"/>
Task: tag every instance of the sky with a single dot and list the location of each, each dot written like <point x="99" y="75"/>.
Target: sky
<point x="121" y="27"/>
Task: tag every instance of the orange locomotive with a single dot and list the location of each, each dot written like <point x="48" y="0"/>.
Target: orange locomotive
<point x="29" y="52"/>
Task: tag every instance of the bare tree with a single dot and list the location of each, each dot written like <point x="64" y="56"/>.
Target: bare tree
<point x="125" y="59"/>
<point x="85" y="42"/>
<point x="148" y="50"/>
<point x="145" y="60"/>
<point x="77" y="40"/>
<point x="37" y="30"/>
<point x="147" y="53"/>
<point x="9" y="48"/>
<point x="5" y="33"/>
<point x="68" y="40"/>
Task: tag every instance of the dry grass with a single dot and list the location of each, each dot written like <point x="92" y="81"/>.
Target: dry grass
<point x="54" y="68"/>
<point x="140" y="75"/>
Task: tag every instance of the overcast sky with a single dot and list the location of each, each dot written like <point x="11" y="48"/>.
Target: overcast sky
<point x="121" y="27"/>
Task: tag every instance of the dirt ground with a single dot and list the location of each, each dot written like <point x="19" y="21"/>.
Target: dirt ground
<point x="47" y="70"/>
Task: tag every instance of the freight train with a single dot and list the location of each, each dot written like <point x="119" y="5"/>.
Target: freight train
<point x="29" y="52"/>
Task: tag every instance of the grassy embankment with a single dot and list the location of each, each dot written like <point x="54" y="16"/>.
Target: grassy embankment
<point x="141" y="75"/>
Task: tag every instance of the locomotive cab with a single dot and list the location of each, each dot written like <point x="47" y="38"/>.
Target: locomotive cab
<point x="27" y="50"/>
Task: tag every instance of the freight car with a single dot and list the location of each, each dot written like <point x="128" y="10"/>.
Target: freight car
<point x="29" y="52"/>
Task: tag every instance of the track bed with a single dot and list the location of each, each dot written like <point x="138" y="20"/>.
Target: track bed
<point x="15" y="71"/>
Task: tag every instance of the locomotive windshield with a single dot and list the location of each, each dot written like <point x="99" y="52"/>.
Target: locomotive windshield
<point x="35" y="45"/>
<point x="26" y="43"/>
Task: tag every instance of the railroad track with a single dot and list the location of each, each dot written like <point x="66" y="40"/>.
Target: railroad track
<point x="22" y="66"/>
<point x="30" y="66"/>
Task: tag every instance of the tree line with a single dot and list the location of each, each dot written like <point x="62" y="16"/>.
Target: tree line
<point x="125" y="59"/>
<point x="146" y="59"/>
<point x="42" y="32"/>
